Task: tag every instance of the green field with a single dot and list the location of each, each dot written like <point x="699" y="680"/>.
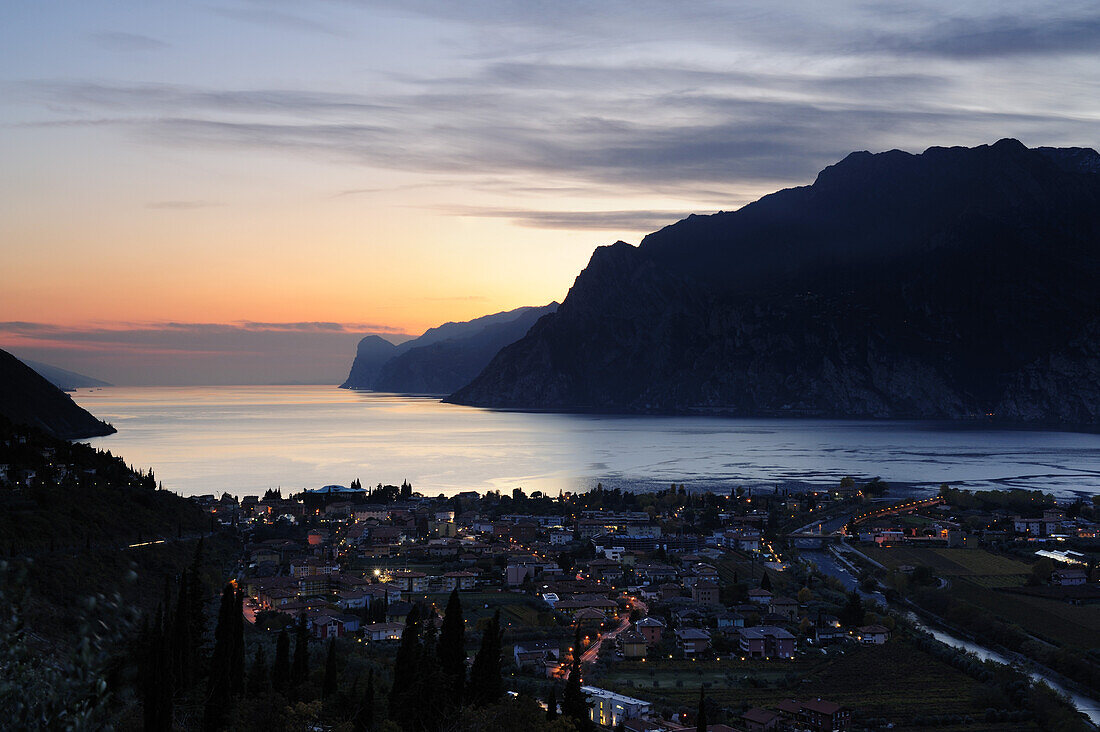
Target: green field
<point x="948" y="562"/>
<point x="897" y="682"/>
<point x="1075" y="626"/>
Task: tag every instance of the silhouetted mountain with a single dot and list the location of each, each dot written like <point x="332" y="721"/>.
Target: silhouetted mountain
<point x="956" y="283"/>
<point x="28" y="398"/>
<point x="64" y="379"/>
<point x="450" y="362"/>
<point x="373" y="351"/>
<point x="443" y="358"/>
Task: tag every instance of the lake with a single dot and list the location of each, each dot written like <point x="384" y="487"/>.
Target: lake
<point x="247" y="439"/>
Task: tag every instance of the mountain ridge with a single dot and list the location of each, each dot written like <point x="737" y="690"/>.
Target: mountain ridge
<point x="953" y="284"/>
<point x="27" y="398"/>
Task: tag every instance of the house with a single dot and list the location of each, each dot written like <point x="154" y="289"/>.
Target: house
<point x="816" y="715"/>
<point x="705" y="592"/>
<point x="645" y="725"/>
<point x="692" y="641"/>
<point x="633" y="644"/>
<point x="533" y="653"/>
<point x="610" y="709"/>
<point x="650" y="629"/>
<point x="760" y="720"/>
<point x="1068" y="577"/>
<point x="784" y="606"/>
<point x="383" y="631"/>
<point x="872" y="635"/>
<point x="828" y="628"/>
<point x="760" y="596"/>
<point x="410" y="581"/>
<point x="459" y="580"/>
<point x="766" y="641"/>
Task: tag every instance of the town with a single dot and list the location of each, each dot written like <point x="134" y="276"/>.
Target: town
<point x="751" y="610"/>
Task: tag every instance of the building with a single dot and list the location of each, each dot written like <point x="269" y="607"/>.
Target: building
<point x="760" y="597"/>
<point x="784" y="606"/>
<point x="383" y="631"/>
<point x="766" y="641"/>
<point x="816" y="715"/>
<point x="705" y="592"/>
<point x="633" y="644"/>
<point x="1068" y="577"/>
<point x="459" y="580"/>
<point x="692" y="641"/>
<point x="872" y="635"/>
<point x="610" y="709"/>
<point x="533" y="653"/>
<point x="760" y="720"/>
<point x="650" y="629"/>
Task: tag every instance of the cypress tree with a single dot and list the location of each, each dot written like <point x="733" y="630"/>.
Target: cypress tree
<point x="258" y="677"/>
<point x="220" y="687"/>
<point x="236" y="643"/>
<point x="196" y="621"/>
<point x="486" y="685"/>
<point x="552" y="706"/>
<point x="407" y="660"/>
<point x="701" y="715"/>
<point x="280" y="672"/>
<point x="574" y="703"/>
<point x="364" y="717"/>
<point x="181" y="651"/>
<point x="424" y="707"/>
<point x="299" y="668"/>
<point x="157" y="697"/>
<point x="328" y="688"/>
<point x="452" y="648"/>
<point x="766" y="582"/>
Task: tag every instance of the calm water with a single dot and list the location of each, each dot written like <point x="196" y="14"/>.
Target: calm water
<point x="247" y="439"/>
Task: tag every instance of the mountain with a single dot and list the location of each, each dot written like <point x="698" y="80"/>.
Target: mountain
<point x="957" y="283"/>
<point x="448" y="363"/>
<point x="443" y="358"/>
<point x="373" y="351"/>
<point x="28" y="398"/>
<point x="63" y="379"/>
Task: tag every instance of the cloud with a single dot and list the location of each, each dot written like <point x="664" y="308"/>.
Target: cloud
<point x="625" y="220"/>
<point x="277" y="19"/>
<point x="1000" y="36"/>
<point x="120" y="41"/>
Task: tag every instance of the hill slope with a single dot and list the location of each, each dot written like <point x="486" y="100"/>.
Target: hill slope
<point x="443" y="358"/>
<point x="64" y="379"/>
<point x="28" y="398"/>
<point x="952" y="284"/>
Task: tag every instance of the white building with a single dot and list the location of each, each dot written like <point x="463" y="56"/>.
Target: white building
<point x="610" y="709"/>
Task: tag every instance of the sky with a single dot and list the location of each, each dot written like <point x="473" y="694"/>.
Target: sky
<point x="234" y="191"/>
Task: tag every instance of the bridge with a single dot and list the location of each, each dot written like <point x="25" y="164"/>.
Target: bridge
<point x="911" y="506"/>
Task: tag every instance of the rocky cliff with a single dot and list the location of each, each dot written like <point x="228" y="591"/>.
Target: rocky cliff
<point x="958" y="283"/>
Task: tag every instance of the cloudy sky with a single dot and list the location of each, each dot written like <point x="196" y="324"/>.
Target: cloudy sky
<point x="189" y="190"/>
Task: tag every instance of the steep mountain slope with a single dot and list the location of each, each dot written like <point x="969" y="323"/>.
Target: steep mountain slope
<point x="956" y="283"/>
<point x="444" y="365"/>
<point x="373" y="351"/>
<point x="27" y="398"/>
<point x="443" y="358"/>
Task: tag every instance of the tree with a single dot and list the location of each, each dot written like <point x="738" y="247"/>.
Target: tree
<point x="452" y="647"/>
<point x="157" y="702"/>
<point x="258" y="678"/>
<point x="805" y="595"/>
<point x="766" y="582"/>
<point x="486" y="685"/>
<point x="364" y="716"/>
<point x="236" y="647"/>
<point x="328" y="687"/>
<point x="219" y="689"/>
<point x="552" y="705"/>
<point x="280" y="672"/>
<point x="701" y="715"/>
<point x="852" y="613"/>
<point x="407" y="660"/>
<point x="299" y="667"/>
<point x="574" y="702"/>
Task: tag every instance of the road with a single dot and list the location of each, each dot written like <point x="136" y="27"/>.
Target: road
<point x="593" y="651"/>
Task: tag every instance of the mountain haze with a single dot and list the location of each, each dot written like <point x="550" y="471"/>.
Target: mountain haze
<point x="957" y="283"/>
<point x="64" y="379"/>
<point x="27" y="398"/>
<point x="444" y="358"/>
